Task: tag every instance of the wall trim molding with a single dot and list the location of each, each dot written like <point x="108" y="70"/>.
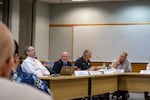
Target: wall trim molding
<point x="101" y="24"/>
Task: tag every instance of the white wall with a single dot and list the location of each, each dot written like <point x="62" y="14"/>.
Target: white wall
<point x="88" y="13"/>
<point x="14" y="18"/>
<point x="60" y="40"/>
<point x="107" y="42"/>
<point x="96" y="13"/>
<point x="42" y="21"/>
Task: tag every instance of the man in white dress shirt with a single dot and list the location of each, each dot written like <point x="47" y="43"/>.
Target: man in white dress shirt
<point x="33" y="65"/>
<point x="10" y="90"/>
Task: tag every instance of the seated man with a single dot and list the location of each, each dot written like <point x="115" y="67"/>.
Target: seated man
<point x="63" y="61"/>
<point x="27" y="78"/>
<point x="33" y="65"/>
<point x="122" y="63"/>
<point x="84" y="63"/>
<point x="11" y="90"/>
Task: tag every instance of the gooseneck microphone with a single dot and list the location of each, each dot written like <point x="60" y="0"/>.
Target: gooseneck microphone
<point x="54" y="74"/>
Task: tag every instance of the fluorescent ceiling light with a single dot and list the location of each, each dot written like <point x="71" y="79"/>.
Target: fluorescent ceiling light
<point x="80" y="0"/>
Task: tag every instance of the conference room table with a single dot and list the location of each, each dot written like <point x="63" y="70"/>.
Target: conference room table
<point x="134" y="82"/>
<point x="70" y="87"/>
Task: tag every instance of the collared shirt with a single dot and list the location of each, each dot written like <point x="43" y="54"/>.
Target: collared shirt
<point x="82" y="64"/>
<point x="32" y="65"/>
<point x="126" y="65"/>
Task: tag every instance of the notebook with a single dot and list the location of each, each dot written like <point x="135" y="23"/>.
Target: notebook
<point x="67" y="70"/>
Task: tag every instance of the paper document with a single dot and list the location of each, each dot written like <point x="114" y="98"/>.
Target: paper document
<point x="119" y="70"/>
<point x="96" y="72"/>
<point x="81" y="73"/>
<point x="109" y="71"/>
<point x="145" y="72"/>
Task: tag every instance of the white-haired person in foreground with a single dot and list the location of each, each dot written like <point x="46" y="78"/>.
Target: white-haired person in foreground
<point x="11" y="90"/>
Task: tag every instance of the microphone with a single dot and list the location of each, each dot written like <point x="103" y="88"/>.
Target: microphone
<point x="54" y="74"/>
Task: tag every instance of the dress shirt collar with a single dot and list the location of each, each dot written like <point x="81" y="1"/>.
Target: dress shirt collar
<point x="30" y="58"/>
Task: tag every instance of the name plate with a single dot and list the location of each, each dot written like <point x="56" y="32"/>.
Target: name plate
<point x="81" y="73"/>
<point x="109" y="71"/>
<point x="144" y="71"/>
<point x="96" y="72"/>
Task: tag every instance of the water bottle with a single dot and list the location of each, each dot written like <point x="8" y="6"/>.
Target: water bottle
<point x="104" y="66"/>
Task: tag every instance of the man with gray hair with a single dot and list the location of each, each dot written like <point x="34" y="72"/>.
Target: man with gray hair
<point x="84" y="63"/>
<point x="122" y="63"/>
<point x="9" y="89"/>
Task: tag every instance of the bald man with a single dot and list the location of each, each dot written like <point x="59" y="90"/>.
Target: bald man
<point x="63" y="61"/>
<point x="9" y="89"/>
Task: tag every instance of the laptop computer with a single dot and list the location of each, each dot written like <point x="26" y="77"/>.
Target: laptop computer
<point x="67" y="70"/>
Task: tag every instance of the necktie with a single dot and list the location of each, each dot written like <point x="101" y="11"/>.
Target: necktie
<point x="65" y="64"/>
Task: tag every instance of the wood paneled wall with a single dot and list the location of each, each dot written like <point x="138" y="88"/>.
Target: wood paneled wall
<point x="136" y="67"/>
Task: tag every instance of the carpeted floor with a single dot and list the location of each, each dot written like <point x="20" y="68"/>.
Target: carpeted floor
<point x="134" y="96"/>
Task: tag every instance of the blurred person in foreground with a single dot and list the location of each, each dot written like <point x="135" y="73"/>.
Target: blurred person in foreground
<point x="11" y="90"/>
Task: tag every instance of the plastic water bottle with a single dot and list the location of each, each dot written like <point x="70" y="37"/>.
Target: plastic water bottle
<point x="104" y="66"/>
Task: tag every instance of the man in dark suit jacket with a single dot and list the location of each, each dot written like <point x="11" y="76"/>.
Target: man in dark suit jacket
<point x="63" y="61"/>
